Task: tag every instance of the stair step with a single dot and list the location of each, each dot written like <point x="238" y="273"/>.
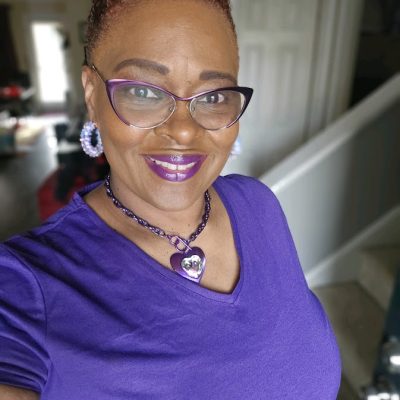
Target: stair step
<point x="378" y="272"/>
<point x="358" y="322"/>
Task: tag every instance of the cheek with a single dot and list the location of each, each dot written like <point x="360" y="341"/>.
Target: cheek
<point x="119" y="138"/>
<point x="116" y="135"/>
<point x="225" y="139"/>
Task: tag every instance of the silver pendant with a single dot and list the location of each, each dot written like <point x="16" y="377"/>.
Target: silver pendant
<point x="190" y="264"/>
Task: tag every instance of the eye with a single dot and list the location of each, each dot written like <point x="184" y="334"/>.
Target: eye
<point x="142" y="92"/>
<point x="213" y="98"/>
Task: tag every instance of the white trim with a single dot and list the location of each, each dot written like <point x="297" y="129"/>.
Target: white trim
<point x="345" y="263"/>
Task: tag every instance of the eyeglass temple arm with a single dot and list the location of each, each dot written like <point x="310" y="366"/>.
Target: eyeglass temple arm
<point x="93" y="67"/>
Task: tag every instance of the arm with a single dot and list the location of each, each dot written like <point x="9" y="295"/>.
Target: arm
<point x="13" y="393"/>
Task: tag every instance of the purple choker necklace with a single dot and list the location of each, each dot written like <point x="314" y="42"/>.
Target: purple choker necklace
<point x="189" y="262"/>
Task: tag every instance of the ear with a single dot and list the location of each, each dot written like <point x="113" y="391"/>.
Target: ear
<point x="88" y="83"/>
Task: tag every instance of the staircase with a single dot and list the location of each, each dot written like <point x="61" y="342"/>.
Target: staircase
<point x="356" y="310"/>
<point x="341" y="196"/>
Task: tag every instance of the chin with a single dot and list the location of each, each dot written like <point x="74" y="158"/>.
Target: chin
<point x="174" y="190"/>
<point x="176" y="196"/>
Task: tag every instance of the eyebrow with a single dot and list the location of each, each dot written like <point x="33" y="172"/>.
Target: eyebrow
<point x="164" y="70"/>
<point x="144" y="64"/>
<point x="210" y="75"/>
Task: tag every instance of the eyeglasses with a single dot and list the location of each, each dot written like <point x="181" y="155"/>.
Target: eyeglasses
<point x="147" y="106"/>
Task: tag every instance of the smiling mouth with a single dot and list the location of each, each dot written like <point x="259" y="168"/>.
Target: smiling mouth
<point x="175" y="168"/>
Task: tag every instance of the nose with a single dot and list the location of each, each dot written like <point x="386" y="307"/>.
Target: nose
<point x="181" y="127"/>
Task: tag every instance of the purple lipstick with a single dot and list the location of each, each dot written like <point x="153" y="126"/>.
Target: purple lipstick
<point x="175" y="168"/>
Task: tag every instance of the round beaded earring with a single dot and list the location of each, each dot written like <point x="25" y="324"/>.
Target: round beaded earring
<point x="91" y="139"/>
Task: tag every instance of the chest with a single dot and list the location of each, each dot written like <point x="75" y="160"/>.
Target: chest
<point x="217" y="241"/>
<point x="128" y="346"/>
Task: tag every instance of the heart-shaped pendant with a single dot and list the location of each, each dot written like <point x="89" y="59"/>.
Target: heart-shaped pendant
<point x="190" y="264"/>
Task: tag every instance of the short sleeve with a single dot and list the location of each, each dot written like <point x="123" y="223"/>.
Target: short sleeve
<point x="23" y="358"/>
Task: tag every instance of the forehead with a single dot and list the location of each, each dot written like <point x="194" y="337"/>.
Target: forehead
<point x="177" y="33"/>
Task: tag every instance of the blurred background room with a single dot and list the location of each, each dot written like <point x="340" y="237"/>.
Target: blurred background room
<point x="323" y="131"/>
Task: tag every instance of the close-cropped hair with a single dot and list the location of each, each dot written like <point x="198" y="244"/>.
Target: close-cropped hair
<point x="103" y="12"/>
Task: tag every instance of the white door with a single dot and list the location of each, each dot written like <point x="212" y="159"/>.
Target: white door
<point x="50" y="63"/>
<point x="276" y="40"/>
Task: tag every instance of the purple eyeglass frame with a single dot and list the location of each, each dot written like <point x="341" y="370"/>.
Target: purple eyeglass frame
<point x="112" y="84"/>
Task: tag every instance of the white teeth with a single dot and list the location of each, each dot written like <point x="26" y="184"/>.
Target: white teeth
<point x="187" y="166"/>
<point x="173" y="167"/>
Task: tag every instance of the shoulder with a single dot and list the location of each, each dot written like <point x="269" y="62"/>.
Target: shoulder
<point x="242" y="183"/>
<point x="19" y="282"/>
<point x="75" y="211"/>
<point x="75" y="218"/>
<point x="36" y="252"/>
<point x="254" y="205"/>
<point x="250" y="197"/>
<point x="15" y="273"/>
<point x="245" y="188"/>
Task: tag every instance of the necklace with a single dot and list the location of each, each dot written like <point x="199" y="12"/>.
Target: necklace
<point x="189" y="262"/>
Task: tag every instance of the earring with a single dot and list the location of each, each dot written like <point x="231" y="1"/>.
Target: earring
<point x="236" y="149"/>
<point x="90" y="128"/>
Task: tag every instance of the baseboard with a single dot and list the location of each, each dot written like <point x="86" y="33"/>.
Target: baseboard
<point x="344" y="264"/>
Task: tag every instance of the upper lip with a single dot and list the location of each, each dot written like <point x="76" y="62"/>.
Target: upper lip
<point x="177" y="159"/>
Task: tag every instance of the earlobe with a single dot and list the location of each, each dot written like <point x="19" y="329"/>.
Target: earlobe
<point x="88" y="88"/>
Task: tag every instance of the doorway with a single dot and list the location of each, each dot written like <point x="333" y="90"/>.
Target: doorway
<point x="378" y="57"/>
<point x="49" y="42"/>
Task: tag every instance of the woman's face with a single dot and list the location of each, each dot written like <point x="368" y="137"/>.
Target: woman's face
<point x="186" y="47"/>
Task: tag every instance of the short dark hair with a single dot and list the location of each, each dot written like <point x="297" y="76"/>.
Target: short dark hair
<point x="102" y="12"/>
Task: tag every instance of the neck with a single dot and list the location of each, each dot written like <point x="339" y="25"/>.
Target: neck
<point x="182" y="222"/>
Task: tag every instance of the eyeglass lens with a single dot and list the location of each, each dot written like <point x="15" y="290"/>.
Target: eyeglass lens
<point x="145" y="107"/>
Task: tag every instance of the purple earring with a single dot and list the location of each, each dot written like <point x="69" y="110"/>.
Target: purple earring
<point x="89" y="129"/>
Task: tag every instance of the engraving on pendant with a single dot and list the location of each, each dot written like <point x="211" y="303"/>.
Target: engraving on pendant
<point x="192" y="265"/>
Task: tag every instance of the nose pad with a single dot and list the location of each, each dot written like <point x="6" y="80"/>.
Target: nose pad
<point x="181" y="126"/>
<point x="182" y="114"/>
<point x="191" y="107"/>
<point x="170" y="110"/>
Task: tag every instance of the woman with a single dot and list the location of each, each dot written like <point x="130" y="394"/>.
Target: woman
<point x="167" y="282"/>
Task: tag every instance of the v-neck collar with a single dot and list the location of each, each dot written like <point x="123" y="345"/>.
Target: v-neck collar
<point x="166" y="273"/>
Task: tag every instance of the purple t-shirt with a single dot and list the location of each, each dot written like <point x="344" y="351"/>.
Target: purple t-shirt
<point x="85" y="314"/>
